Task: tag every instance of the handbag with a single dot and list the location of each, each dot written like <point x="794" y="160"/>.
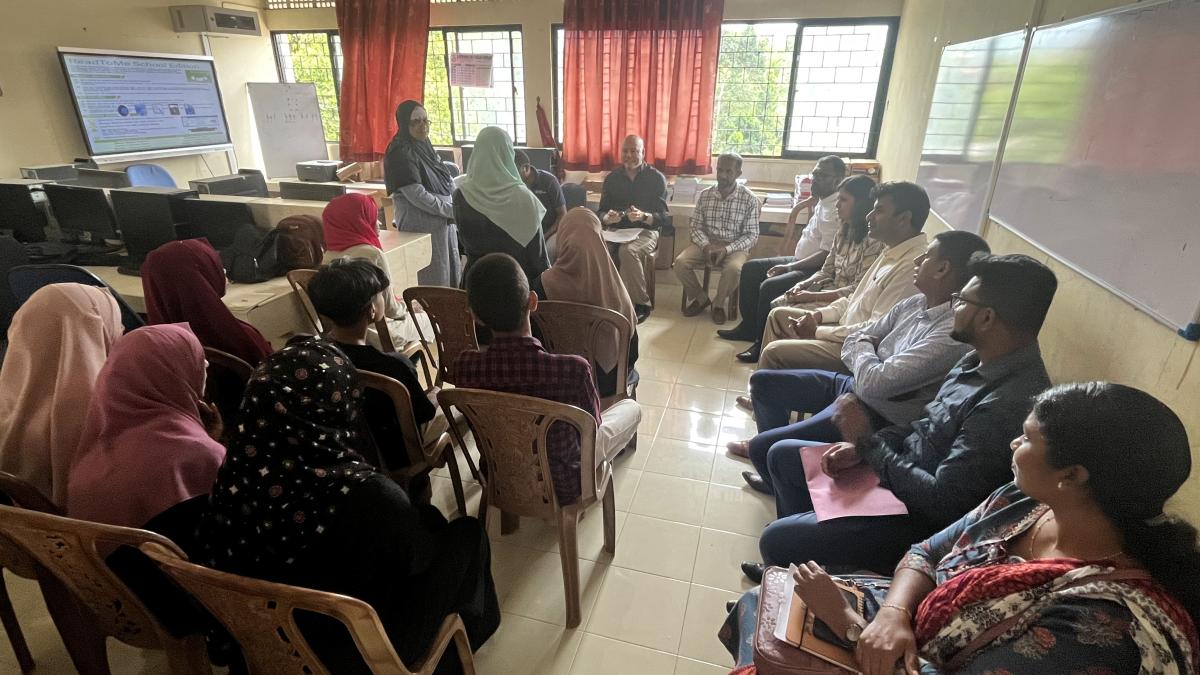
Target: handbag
<point x="773" y="656"/>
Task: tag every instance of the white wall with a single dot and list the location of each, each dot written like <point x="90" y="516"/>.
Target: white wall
<point x="37" y="122"/>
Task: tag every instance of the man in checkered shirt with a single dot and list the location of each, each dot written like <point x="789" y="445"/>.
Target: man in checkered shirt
<point x="724" y="229"/>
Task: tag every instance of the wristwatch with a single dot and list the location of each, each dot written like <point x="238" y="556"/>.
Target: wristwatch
<point x="854" y="632"/>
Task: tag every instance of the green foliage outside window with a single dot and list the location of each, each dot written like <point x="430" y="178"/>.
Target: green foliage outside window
<point x="437" y="90"/>
<point x="305" y="57"/>
<point x="753" y="75"/>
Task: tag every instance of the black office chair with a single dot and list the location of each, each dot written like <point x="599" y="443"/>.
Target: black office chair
<point x="574" y="195"/>
<point x="12" y="254"/>
<point x="26" y="279"/>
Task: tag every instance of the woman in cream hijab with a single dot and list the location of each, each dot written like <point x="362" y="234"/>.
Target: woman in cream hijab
<point x="495" y="211"/>
<point x="58" y="341"/>
<point x="584" y="272"/>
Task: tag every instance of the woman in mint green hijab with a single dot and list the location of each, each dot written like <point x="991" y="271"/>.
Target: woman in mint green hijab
<point x="495" y="211"/>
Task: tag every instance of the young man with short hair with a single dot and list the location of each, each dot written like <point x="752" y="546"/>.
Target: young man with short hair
<point x="515" y="362"/>
<point x="549" y="192"/>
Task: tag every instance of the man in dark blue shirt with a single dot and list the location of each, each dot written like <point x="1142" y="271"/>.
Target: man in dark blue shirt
<point x="545" y="187"/>
<point x="944" y="464"/>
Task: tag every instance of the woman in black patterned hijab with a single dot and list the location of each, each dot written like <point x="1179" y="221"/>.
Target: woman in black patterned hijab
<point x="295" y="503"/>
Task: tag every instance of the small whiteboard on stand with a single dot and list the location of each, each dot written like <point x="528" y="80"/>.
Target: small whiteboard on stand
<point x="471" y="70"/>
<point x="288" y="121"/>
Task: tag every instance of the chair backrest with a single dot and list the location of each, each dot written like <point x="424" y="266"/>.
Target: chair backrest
<point x="24" y="280"/>
<point x="453" y="327"/>
<point x="228" y="376"/>
<point x="511" y="433"/>
<point x="299" y="280"/>
<point x="17" y="492"/>
<point x="574" y="195"/>
<point x="410" y="431"/>
<point x="153" y="175"/>
<point x="578" y="328"/>
<point x="73" y="551"/>
<point x="260" y="615"/>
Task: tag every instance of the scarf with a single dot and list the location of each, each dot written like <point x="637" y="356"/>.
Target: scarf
<point x="290" y="463"/>
<point x="408" y="161"/>
<point x="144" y="447"/>
<point x="494" y="188"/>
<point x="349" y="220"/>
<point x="955" y="616"/>
<point x="183" y="282"/>
<point x="57" y="344"/>
<point x="584" y="272"/>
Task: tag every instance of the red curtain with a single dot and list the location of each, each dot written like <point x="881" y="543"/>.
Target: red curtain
<point x="645" y="67"/>
<point x="383" y="56"/>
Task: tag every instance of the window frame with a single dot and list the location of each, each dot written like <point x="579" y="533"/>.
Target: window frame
<point x="509" y="28"/>
<point x="885" y="76"/>
<point x="330" y="34"/>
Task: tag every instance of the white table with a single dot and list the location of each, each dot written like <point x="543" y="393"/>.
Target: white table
<point x="272" y="306"/>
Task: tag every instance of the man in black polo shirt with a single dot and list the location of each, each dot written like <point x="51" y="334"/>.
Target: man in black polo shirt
<point x="635" y="195"/>
<point x="545" y="187"/>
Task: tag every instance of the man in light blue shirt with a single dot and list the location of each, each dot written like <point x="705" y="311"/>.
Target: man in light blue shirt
<point x="898" y="362"/>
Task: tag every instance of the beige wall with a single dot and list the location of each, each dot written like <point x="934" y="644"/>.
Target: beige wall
<point x="1091" y="333"/>
<point x="37" y="122"/>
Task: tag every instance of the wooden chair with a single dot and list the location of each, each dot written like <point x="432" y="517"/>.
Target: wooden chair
<point x="73" y="552"/>
<point x="428" y="448"/>
<point x="260" y="615"/>
<point x="511" y="432"/>
<point x="708" y="270"/>
<point x="578" y="328"/>
<point x="299" y="280"/>
<point x="453" y="327"/>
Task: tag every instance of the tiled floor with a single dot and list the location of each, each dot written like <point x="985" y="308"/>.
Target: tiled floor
<point x="684" y="522"/>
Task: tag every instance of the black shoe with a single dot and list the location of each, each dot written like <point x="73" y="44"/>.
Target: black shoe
<point x="642" y="312"/>
<point x="756" y="482"/>
<point x="753" y="571"/>
<point x="736" y="333"/>
<point x="750" y="355"/>
<point x="729" y="605"/>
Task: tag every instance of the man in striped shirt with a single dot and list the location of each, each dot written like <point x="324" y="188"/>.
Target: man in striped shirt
<point x="724" y="229"/>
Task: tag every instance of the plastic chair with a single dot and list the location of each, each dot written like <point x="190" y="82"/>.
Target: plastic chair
<point x="17" y="492"/>
<point x="578" y="328"/>
<point x="73" y="552"/>
<point x="299" y="280"/>
<point x="511" y="433"/>
<point x="260" y="615"/>
<point x="24" y="280"/>
<point x="149" y="175"/>
<point x="453" y="327"/>
<point x="574" y="195"/>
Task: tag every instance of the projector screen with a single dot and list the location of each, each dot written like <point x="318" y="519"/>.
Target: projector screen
<point x="128" y="102"/>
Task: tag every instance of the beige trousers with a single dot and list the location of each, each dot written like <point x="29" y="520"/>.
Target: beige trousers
<point x="692" y="259"/>
<point x="630" y="258"/>
<point x="781" y="352"/>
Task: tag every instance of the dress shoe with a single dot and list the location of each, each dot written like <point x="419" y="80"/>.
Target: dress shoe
<point x="744" y="401"/>
<point x="718" y="316"/>
<point x="753" y="571"/>
<point x="738" y="448"/>
<point x="729" y="605"/>
<point x="694" y="308"/>
<point x="756" y="482"/>
<point x="737" y="333"/>
<point x="750" y="355"/>
<point x="642" y="312"/>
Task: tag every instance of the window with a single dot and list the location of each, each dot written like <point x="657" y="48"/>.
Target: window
<point x="316" y="57"/>
<point x="793" y="89"/>
<point x="459" y="113"/>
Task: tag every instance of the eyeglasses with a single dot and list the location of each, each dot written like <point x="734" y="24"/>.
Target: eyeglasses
<point x="424" y="122"/>
<point x="958" y="300"/>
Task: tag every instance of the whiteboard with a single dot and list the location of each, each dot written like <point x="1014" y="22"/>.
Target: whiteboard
<point x="971" y="99"/>
<point x="1102" y="163"/>
<point x="288" y="121"/>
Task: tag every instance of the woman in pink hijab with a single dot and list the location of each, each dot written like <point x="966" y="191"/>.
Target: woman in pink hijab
<point x="148" y="443"/>
<point x="350" y="225"/>
<point x="57" y="345"/>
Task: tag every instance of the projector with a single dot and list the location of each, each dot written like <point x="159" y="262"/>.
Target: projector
<point x="318" y="170"/>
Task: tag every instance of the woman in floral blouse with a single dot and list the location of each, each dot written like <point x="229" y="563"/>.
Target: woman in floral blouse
<point x="1073" y="568"/>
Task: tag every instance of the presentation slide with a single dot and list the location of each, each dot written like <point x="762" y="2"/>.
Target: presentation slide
<point x="132" y="103"/>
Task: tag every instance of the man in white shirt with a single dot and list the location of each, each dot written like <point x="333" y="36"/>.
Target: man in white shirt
<point x="799" y="338"/>
<point x="765" y="279"/>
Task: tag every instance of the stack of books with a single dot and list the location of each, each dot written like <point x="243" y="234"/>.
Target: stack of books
<point x="780" y="199"/>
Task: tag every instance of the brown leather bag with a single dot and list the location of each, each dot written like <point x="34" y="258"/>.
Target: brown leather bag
<point x="300" y="243"/>
<point x="773" y="656"/>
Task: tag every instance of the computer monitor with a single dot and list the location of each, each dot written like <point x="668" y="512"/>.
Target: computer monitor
<point x="215" y="220"/>
<point x="84" y="214"/>
<point x="146" y="218"/>
<point x="465" y="151"/>
<point x="102" y="178"/>
<point x="446" y="154"/>
<point x="20" y="212"/>
<point x="317" y="192"/>
<point x="244" y="183"/>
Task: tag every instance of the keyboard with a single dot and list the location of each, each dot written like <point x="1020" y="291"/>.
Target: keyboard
<point x="75" y="254"/>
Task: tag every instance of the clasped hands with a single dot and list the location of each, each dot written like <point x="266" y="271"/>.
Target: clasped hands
<point x="715" y="254"/>
<point x="634" y="214"/>
<point x="853" y="421"/>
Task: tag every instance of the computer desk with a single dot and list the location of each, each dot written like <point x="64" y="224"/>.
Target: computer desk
<point x="272" y="306"/>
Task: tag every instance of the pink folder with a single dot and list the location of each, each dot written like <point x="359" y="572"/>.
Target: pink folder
<point x="855" y="492"/>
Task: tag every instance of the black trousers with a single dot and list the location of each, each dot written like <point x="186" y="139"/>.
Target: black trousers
<point x="756" y="291"/>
